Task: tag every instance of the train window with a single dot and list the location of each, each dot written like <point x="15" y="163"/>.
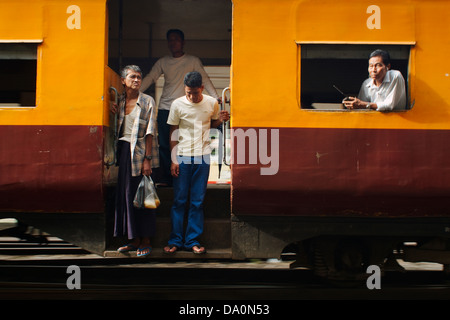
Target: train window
<point x="18" y="63"/>
<point x="328" y="70"/>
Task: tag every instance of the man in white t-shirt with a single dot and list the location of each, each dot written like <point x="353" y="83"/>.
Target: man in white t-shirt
<point x="190" y="120"/>
<point x="174" y="67"/>
<point x="384" y="90"/>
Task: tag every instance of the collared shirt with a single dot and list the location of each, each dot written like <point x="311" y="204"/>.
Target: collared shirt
<point x="143" y="125"/>
<point x="390" y="95"/>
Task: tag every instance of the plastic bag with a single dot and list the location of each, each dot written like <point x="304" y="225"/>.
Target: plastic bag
<point x="146" y="196"/>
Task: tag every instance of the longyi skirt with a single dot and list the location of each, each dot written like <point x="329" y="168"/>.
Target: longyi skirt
<point x="129" y="221"/>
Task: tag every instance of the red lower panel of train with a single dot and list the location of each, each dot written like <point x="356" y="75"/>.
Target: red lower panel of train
<point x="51" y="168"/>
<point x="340" y="172"/>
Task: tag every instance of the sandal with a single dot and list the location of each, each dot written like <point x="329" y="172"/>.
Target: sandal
<point x="198" y="249"/>
<point x="145" y="251"/>
<point x="170" y="249"/>
<point x="127" y="248"/>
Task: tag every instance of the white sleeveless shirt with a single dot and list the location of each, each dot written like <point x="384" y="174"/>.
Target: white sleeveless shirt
<point x="128" y="125"/>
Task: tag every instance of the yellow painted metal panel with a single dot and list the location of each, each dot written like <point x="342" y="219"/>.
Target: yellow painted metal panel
<point x="70" y="62"/>
<point x="379" y="21"/>
<point x="266" y="66"/>
<point x="21" y="19"/>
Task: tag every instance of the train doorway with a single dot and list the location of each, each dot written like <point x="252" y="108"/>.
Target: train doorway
<point x="137" y="35"/>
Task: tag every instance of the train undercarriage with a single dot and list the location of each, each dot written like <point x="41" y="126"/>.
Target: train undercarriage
<point x="335" y="248"/>
<point x="342" y="248"/>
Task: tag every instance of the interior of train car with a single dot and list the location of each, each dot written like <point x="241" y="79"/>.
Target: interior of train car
<point x="18" y="61"/>
<point x="137" y="35"/>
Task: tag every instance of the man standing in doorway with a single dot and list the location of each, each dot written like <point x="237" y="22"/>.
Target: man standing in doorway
<point x="174" y="67"/>
<point x="190" y="120"/>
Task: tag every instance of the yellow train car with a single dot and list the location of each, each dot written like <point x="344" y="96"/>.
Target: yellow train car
<point x="54" y="109"/>
<point x="330" y="178"/>
<point x="307" y="175"/>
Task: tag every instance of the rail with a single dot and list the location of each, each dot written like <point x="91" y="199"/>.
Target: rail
<point x="116" y="100"/>
<point x="222" y="137"/>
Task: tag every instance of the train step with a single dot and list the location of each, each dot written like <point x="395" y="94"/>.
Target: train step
<point x="216" y="232"/>
<point x="158" y="253"/>
<point x="93" y="232"/>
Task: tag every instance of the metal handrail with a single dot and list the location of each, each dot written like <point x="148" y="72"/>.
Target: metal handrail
<point x="224" y="126"/>
<point x="116" y="100"/>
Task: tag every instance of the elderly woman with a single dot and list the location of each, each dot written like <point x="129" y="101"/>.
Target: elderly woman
<point x="137" y="154"/>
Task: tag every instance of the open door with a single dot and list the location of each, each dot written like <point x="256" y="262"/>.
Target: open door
<point x="137" y="35"/>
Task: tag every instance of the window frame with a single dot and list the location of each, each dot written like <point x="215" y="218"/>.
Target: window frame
<point x="409" y="76"/>
<point x="36" y="43"/>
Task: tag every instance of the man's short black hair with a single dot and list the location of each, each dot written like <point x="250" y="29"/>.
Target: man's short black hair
<point x="193" y="80"/>
<point x="176" y="31"/>
<point x="383" y="54"/>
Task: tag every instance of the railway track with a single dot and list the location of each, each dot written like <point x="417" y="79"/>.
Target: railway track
<point x="37" y="267"/>
<point x="30" y="271"/>
<point x="185" y="281"/>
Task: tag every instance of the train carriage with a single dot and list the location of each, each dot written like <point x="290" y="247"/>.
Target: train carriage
<point x="350" y="183"/>
<point x="344" y="189"/>
<point x="53" y="144"/>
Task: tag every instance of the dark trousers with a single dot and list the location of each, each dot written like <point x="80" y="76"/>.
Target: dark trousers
<point x="164" y="147"/>
<point x="129" y="221"/>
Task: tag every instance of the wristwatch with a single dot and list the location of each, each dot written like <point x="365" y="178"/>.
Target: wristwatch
<point x="148" y="157"/>
<point x="368" y="105"/>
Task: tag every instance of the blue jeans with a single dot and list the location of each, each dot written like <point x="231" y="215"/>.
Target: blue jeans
<point x="192" y="180"/>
